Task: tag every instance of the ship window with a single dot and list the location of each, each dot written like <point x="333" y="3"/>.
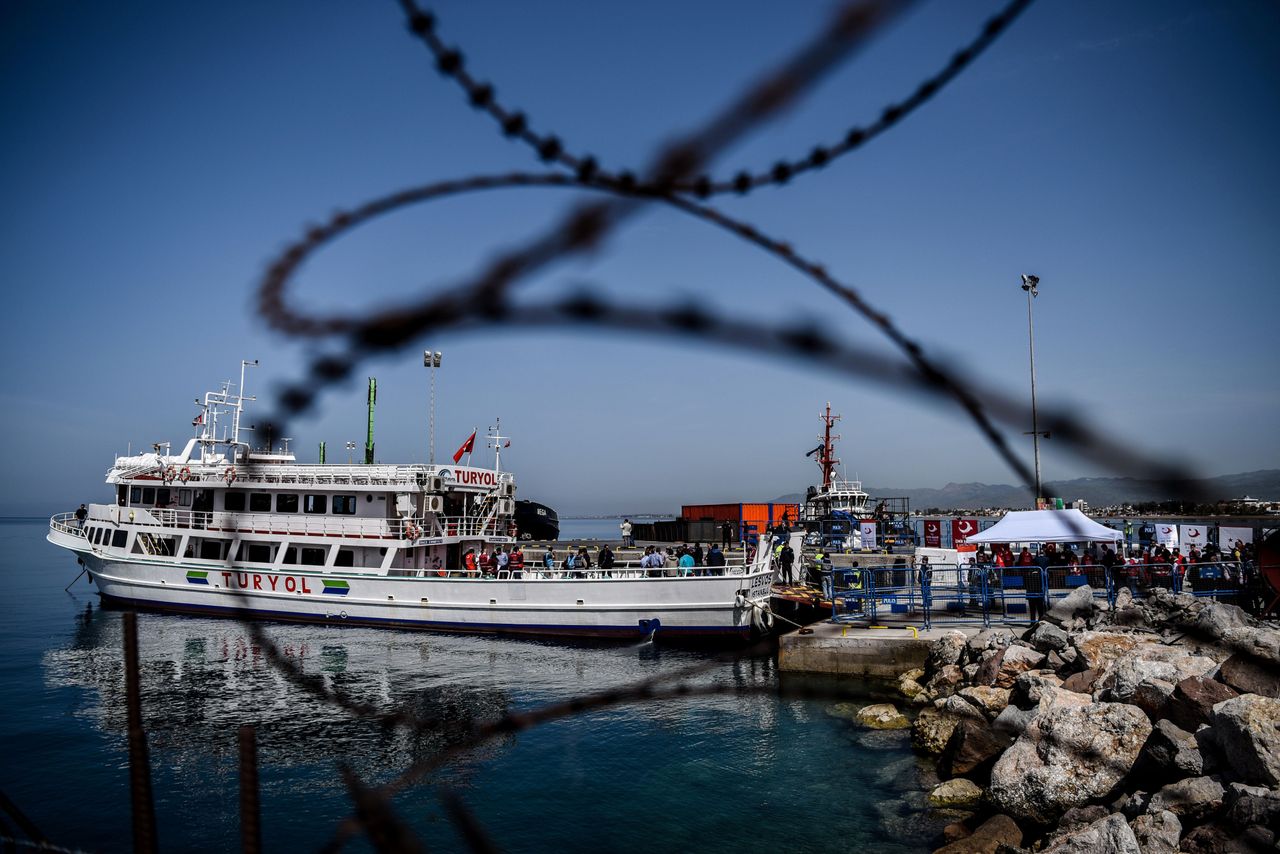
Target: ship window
<point x="95" y="535"/>
<point x="260" y="502"/>
<point x="202" y="501"/>
<point x="314" y="503"/>
<point x="287" y="502"/>
<point x="184" y="498"/>
<point x="122" y="495"/>
<point x="148" y="495"/>
<point x="344" y="505"/>
<point x="135" y="495"/>
<point x="233" y="501"/>
<point x="211" y="549"/>
<point x="346" y="557"/>
<point x="163" y="497"/>
<point x="257" y="553"/>
<point x="313" y="557"/>
<point x="291" y="555"/>
<point x="118" y="539"/>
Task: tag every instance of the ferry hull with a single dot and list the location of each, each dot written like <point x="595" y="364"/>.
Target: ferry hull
<point x="698" y="607"/>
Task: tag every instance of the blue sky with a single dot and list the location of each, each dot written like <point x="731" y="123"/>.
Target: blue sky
<point x="156" y="156"/>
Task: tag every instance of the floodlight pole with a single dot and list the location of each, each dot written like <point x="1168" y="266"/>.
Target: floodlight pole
<point x="431" y="361"/>
<point x="1029" y="284"/>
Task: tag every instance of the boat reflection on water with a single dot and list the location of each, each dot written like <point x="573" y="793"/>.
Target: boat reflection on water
<point x="594" y="780"/>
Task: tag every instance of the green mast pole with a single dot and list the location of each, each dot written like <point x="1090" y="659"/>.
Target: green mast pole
<point x="368" y="440"/>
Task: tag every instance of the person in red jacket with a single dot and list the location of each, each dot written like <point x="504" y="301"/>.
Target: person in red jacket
<point x="485" y="562"/>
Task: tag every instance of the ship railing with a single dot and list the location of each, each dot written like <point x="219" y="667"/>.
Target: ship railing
<point x="66" y="523"/>
<point x="468" y="526"/>
<point x="618" y="572"/>
<point x="270" y="523"/>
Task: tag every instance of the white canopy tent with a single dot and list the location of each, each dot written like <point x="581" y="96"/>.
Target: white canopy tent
<point x="1046" y="526"/>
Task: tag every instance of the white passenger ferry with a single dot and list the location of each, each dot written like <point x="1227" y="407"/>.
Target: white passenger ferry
<point x="220" y="528"/>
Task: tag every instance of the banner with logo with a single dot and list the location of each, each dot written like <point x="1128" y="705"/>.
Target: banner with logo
<point x="1227" y="537"/>
<point x="1166" y="534"/>
<point x="868" y="534"/>
<point x="1190" y="536"/>
<point x="962" y="530"/>
<point x="933" y="533"/>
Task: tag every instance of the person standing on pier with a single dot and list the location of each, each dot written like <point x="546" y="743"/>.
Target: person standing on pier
<point x="626" y="534"/>
<point x="786" y="558"/>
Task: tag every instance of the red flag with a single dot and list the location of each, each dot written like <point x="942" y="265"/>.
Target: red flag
<point x="506" y="444"/>
<point x="933" y="533"/>
<point x="962" y="529"/>
<point x="467" y="447"/>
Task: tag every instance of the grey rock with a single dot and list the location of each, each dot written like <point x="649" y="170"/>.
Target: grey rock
<point x="961" y="708"/>
<point x="1157" y="833"/>
<point x="989" y="701"/>
<point x="1110" y="835"/>
<point x="1099" y="649"/>
<point x="1245" y="736"/>
<point x="1250" y="805"/>
<point x="1251" y="841"/>
<point x="1047" y="637"/>
<point x="1067" y="756"/>
<point x="1030" y="688"/>
<point x="1193" y="800"/>
<point x="1171" y="753"/>
<point x="945" y="682"/>
<point x="1081" y="816"/>
<point x="1075" y="605"/>
<point x="1016" y="661"/>
<point x="1013" y="721"/>
<point x="944" y="651"/>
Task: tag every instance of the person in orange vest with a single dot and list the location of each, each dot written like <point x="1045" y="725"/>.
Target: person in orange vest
<point x="469" y="560"/>
<point x="485" y="562"/>
<point x="515" y="561"/>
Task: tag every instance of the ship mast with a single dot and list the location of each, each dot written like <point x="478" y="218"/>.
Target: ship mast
<point x="827" y="461"/>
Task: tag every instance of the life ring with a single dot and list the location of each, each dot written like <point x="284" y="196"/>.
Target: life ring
<point x="740" y="601"/>
<point x="229" y="475"/>
<point x="170" y="474"/>
<point x="411" y="531"/>
<point x="185" y="474"/>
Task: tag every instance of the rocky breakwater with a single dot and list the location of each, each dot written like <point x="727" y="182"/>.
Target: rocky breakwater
<point x="1153" y="726"/>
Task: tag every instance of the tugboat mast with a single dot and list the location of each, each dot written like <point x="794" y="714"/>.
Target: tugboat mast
<point x="827" y="461"/>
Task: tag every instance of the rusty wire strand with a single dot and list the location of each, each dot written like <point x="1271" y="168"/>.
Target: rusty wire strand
<point x="550" y="148"/>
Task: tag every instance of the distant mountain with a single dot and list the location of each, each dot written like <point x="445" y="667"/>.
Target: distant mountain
<point x="1097" y="491"/>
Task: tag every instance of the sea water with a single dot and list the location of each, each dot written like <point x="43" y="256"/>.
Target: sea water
<point x="742" y="771"/>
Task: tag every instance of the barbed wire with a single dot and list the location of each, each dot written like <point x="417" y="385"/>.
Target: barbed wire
<point x="551" y="149"/>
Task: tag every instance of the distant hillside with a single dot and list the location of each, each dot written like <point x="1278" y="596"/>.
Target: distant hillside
<point x="1098" y="491"/>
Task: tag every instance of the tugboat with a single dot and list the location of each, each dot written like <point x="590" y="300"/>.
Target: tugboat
<point x="831" y="512"/>
<point x="225" y="528"/>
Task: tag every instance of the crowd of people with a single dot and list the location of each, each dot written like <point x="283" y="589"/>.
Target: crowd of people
<point x="657" y="561"/>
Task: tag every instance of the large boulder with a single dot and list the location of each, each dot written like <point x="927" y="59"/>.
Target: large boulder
<point x="944" y="651"/>
<point x="1014" y="721"/>
<point x="945" y="682"/>
<point x="993" y="834"/>
<point x="971" y="751"/>
<point x="1170" y="753"/>
<point x="1047" y="637"/>
<point x="1030" y="687"/>
<point x="960" y="707"/>
<point x="1252" y="805"/>
<point x="1245" y="739"/>
<point x="1082" y="682"/>
<point x="1098" y="649"/>
<point x="1068" y="756"/>
<point x="1157" y="832"/>
<point x="882" y="716"/>
<point x="1192" y="701"/>
<point x="955" y="794"/>
<point x="989" y="701"/>
<point x="1206" y="839"/>
<point x="1110" y="835"/>
<point x="1078" y="604"/>
<point x="1250" y="676"/>
<point x="932" y="729"/>
<point x="1016" y="661"/>
<point x="1193" y="800"/>
<point x="1147" y="664"/>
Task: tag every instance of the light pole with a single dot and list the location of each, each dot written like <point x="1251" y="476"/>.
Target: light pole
<point x="351" y="446"/>
<point x="1030" y="284"/>
<point x="431" y="361"/>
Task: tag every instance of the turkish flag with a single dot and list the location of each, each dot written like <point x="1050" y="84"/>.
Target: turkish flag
<point x="933" y="533"/>
<point x="467" y="447"/>
<point x="962" y="530"/>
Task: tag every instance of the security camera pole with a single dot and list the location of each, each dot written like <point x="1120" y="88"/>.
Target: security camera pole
<point x="1029" y="284"/>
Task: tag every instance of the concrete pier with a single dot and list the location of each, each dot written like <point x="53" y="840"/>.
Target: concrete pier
<point x="850" y="650"/>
